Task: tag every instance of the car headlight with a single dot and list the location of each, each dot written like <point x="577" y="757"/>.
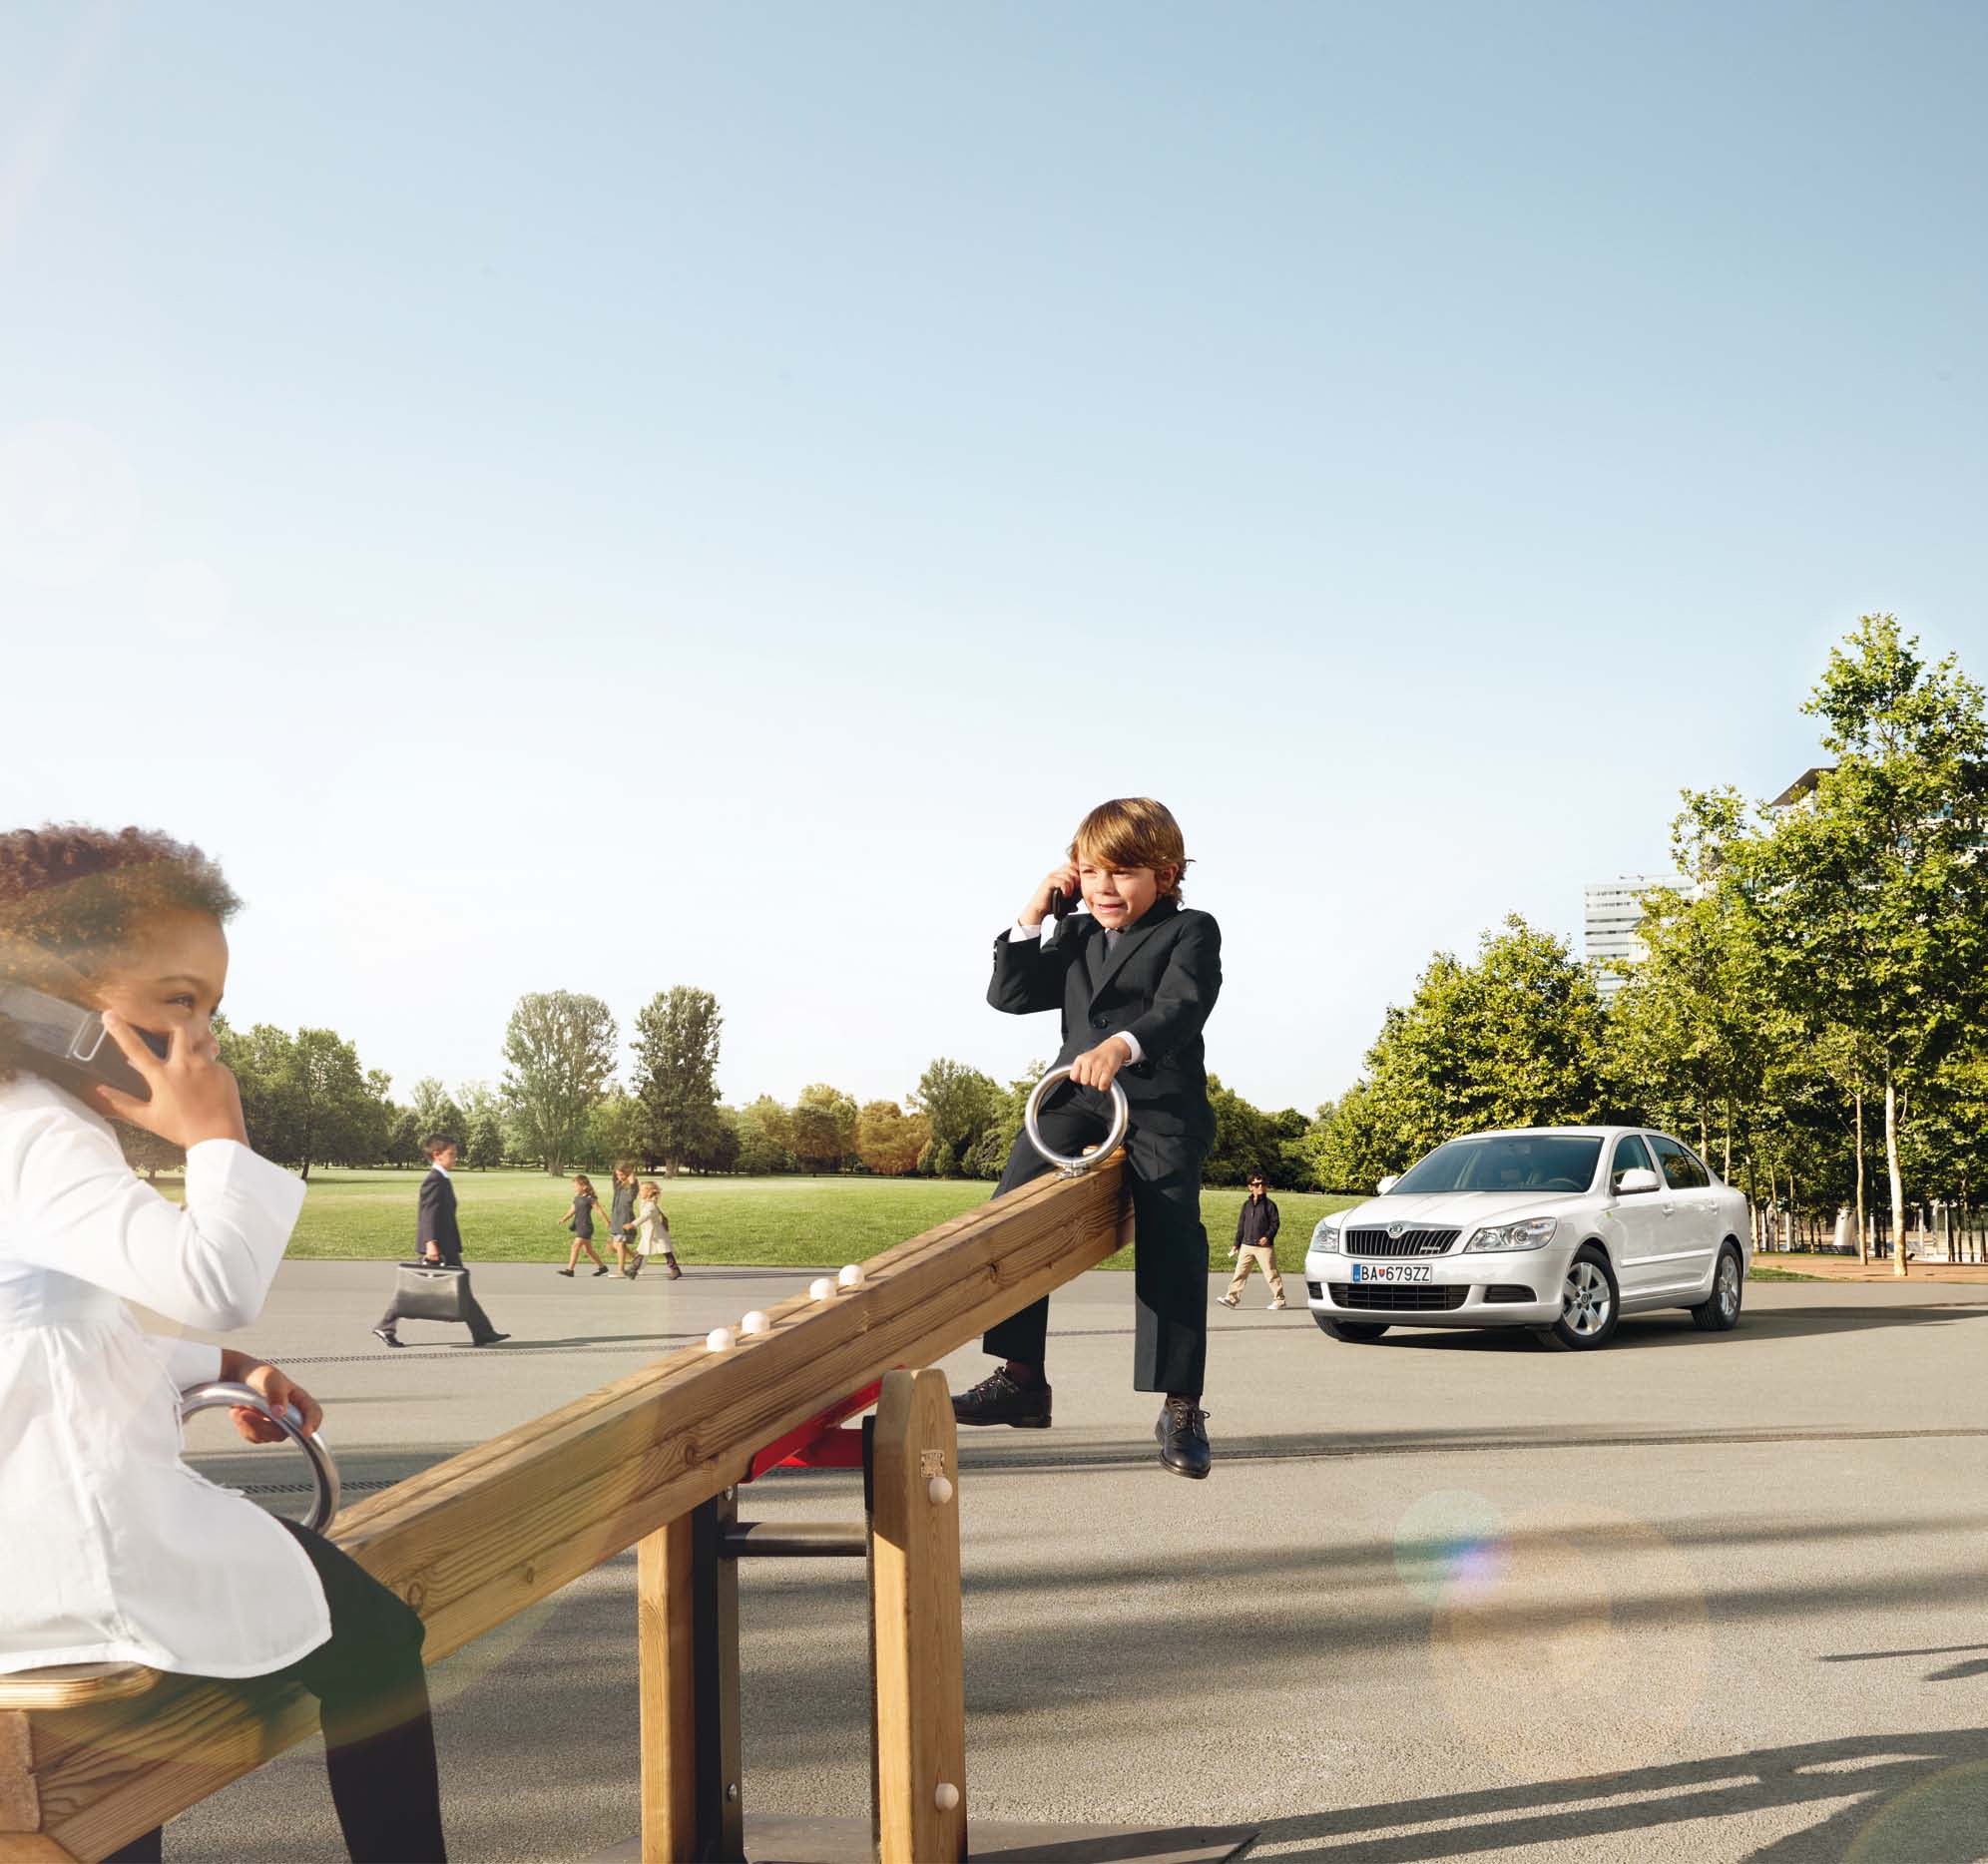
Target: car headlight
<point x="1531" y="1234"/>
<point x="1325" y="1235"/>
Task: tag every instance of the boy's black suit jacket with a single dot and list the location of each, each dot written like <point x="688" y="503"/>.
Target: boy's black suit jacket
<point x="1158" y="984"/>
<point x="436" y="1219"/>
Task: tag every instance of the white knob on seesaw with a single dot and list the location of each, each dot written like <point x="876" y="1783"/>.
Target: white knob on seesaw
<point x="851" y="1275"/>
<point x="820" y="1288"/>
<point x="718" y="1339"/>
<point x="940" y="1490"/>
<point x="946" y="1795"/>
<point x="756" y="1322"/>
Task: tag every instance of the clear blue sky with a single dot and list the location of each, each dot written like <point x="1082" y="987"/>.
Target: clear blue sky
<point x="620" y="496"/>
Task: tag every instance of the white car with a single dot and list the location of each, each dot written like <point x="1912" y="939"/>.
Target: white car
<point x="1563" y="1230"/>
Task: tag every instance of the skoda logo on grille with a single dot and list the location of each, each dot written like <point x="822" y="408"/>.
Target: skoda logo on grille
<point x="1394" y="1232"/>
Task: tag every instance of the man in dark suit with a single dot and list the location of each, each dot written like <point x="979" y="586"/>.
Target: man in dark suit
<point x="437" y="1238"/>
<point x="1135" y="980"/>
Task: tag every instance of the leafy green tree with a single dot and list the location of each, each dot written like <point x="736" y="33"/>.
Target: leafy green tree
<point x="959" y="1103"/>
<point x="1348" y="1144"/>
<point x="482" y="1129"/>
<point x="560" y="1047"/>
<point x="675" y="1050"/>
<point x="987" y="1157"/>
<point x="718" y="1147"/>
<point x="888" y="1140"/>
<point x="305" y="1097"/>
<point x="486" y="1138"/>
<point x="1696" y="1031"/>
<point x="1247" y="1140"/>
<point x="825" y="1128"/>
<point x="617" y="1129"/>
<point x="1872" y="896"/>
<point x="1512" y="1040"/>
<point x="436" y="1109"/>
<point x="403" y="1137"/>
<point x="765" y="1137"/>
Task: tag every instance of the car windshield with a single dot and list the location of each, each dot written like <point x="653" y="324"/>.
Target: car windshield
<point x="1546" y="1161"/>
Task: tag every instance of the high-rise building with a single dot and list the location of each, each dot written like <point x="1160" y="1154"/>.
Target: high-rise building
<point x="1614" y="911"/>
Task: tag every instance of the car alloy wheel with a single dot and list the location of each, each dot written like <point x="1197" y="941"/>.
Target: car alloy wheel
<point x="1718" y="1312"/>
<point x="1587" y="1300"/>
<point x="1729" y="1289"/>
<point x="1588" y="1305"/>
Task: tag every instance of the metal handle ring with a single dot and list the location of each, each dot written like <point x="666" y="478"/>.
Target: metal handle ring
<point x="1075" y="1167"/>
<point x="324" y="1470"/>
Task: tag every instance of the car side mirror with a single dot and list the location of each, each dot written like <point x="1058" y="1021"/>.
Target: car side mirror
<point x="1387" y="1184"/>
<point x="1636" y="1178"/>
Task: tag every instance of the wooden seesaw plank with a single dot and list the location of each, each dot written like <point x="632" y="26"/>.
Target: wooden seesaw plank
<point x="473" y="1541"/>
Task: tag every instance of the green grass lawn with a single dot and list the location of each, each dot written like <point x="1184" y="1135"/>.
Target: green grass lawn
<point x="786" y="1222"/>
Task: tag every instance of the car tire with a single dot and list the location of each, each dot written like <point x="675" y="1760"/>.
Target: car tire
<point x="1354" y="1332"/>
<point x="1589" y="1305"/>
<point x="1718" y="1312"/>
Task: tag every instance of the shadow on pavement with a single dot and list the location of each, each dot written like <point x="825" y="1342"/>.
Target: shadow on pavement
<point x="1933" y="1789"/>
<point x="1954" y="1673"/>
<point x="985" y="1453"/>
<point x="1642" y="1333"/>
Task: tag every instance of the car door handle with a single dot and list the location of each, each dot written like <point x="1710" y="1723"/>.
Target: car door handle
<point x="1670" y="1209"/>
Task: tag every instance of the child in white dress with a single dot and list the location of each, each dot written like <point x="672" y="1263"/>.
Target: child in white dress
<point x="651" y="1229"/>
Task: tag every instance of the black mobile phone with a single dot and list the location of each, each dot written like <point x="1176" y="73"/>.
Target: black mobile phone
<point x="1060" y="904"/>
<point x="68" y="1044"/>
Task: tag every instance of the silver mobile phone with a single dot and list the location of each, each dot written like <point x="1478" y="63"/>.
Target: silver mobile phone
<point x="70" y="1043"/>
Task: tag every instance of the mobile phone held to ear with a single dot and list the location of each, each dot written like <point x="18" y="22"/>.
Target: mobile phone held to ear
<point x="1060" y="904"/>
<point x="69" y="1043"/>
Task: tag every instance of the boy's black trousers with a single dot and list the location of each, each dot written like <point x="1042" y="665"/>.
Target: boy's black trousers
<point x="1170" y="1247"/>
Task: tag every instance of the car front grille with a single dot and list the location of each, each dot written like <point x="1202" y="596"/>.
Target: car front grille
<point x="1410" y="1242"/>
<point x="1429" y="1298"/>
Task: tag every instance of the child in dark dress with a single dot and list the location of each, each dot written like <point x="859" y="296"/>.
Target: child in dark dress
<point x="580" y="1220"/>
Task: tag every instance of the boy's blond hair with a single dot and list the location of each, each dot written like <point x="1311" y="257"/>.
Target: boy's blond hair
<point x="1134" y="831"/>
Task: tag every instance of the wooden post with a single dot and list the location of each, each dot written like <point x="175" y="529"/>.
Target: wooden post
<point x="693" y="1807"/>
<point x="664" y="1591"/>
<point x="914" y="1603"/>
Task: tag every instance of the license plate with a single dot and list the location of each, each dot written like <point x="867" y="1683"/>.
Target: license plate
<point x="1393" y="1272"/>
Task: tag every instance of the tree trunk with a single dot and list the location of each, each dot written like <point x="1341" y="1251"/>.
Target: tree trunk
<point x="1896" y="1175"/>
<point x="1863" y="1229"/>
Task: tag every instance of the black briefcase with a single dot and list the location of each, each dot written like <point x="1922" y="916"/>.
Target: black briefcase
<point x="428" y="1291"/>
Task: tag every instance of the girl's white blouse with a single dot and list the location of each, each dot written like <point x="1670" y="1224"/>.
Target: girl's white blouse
<point x="111" y="1549"/>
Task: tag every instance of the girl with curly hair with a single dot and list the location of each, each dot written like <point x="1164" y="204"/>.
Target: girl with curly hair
<point x="114" y="1551"/>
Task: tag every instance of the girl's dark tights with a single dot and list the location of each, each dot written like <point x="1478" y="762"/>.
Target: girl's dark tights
<point x="372" y="1693"/>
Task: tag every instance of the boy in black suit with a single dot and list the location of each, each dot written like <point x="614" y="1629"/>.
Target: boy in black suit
<point x="1135" y="980"/>
<point x="437" y="1238"/>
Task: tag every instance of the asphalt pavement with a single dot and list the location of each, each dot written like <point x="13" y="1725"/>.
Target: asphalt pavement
<point x="1447" y="1596"/>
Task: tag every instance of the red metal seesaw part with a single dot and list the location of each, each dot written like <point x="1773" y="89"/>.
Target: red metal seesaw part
<point x="818" y="1444"/>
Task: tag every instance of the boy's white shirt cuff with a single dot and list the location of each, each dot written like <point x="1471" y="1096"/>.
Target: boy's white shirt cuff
<point x="1020" y="931"/>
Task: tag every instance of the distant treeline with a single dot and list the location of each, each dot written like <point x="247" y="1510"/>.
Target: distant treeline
<point x="1811" y="1012"/>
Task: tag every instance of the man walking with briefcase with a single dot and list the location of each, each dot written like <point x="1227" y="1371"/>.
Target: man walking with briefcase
<point x="438" y="1286"/>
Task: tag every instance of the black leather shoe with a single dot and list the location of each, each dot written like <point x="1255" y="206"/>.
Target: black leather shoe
<point x="388" y="1337"/>
<point x="1182" y="1442"/>
<point x="490" y="1339"/>
<point x="998" y="1399"/>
